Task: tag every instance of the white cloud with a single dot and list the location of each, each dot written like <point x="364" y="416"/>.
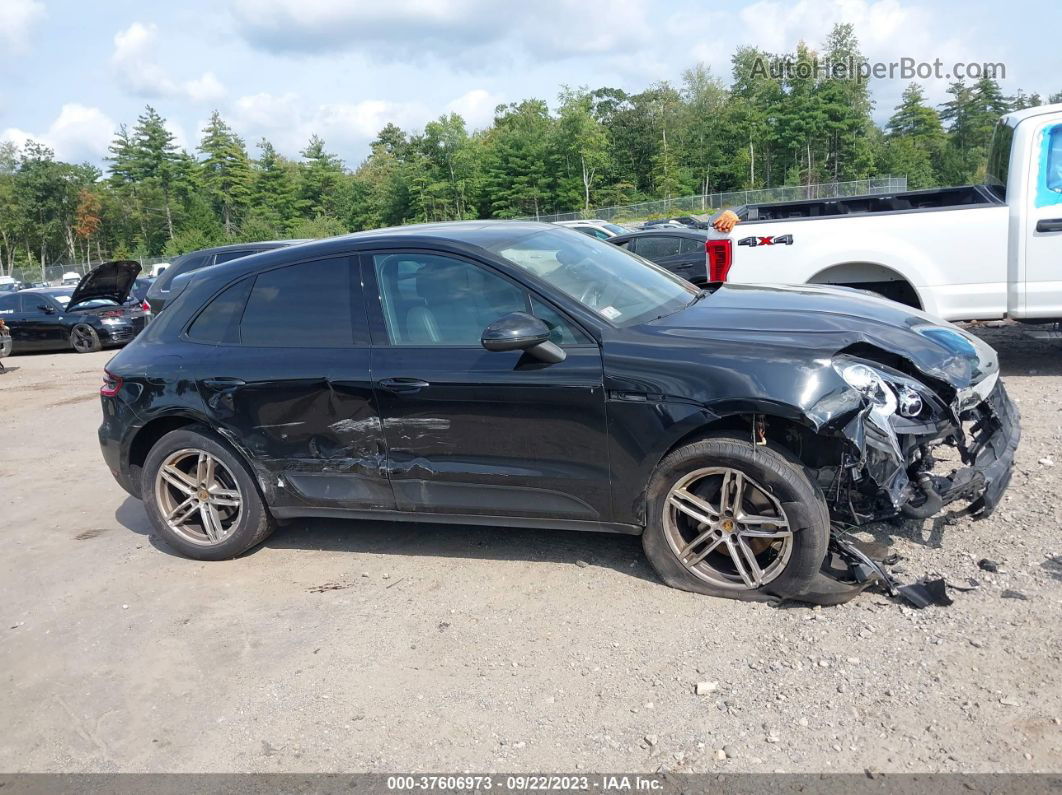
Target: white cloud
<point x="476" y="107"/>
<point x="136" y="67"/>
<point x="78" y="133"/>
<point x="17" y="17"/>
<point x="453" y="30"/>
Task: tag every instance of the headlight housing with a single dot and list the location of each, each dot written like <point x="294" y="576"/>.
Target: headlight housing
<point x="891" y="394"/>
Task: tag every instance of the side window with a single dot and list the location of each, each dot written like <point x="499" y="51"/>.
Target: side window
<point x="689" y="245"/>
<point x="307" y="305"/>
<point x="9" y="304"/>
<point x="429" y="299"/>
<point x="228" y="256"/>
<point x="220" y="321"/>
<point x="1054" y="158"/>
<point x="654" y="247"/>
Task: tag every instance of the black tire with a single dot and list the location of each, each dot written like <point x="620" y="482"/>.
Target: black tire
<point x="254" y="523"/>
<point x="84" y="339"/>
<point x="786" y="480"/>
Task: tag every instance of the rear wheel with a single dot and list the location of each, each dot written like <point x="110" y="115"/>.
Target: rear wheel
<point x="201" y="498"/>
<point x="729" y="518"/>
<point x="84" y="339"/>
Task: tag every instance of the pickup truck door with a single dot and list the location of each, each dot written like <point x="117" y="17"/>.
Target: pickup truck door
<point x="1043" y="226"/>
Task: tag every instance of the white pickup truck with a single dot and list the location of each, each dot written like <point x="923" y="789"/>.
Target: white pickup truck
<point x="972" y="253"/>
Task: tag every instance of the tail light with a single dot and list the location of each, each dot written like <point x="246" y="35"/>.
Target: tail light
<point x="720" y="256"/>
<point x="111" y="313"/>
<point x="146" y="307"/>
<point x="111" y="384"/>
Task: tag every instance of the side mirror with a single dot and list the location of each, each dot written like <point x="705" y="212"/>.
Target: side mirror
<point x="519" y="331"/>
<point x="46" y="309"/>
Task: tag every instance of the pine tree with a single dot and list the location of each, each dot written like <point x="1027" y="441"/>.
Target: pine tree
<point x="321" y="175"/>
<point x="275" y="192"/>
<point x="155" y="158"/>
<point x="226" y="171"/>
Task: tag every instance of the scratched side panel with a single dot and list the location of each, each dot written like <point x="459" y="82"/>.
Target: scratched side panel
<point x="308" y="418"/>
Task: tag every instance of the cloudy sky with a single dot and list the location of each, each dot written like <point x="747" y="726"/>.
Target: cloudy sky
<point x="71" y="71"/>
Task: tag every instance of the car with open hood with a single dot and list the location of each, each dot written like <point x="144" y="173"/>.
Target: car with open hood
<point x="522" y="374"/>
<point x="86" y="318"/>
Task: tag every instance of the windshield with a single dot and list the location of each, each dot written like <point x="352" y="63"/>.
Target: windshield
<point x="615" y="229"/>
<point x="999" y="159"/>
<point x="619" y="286"/>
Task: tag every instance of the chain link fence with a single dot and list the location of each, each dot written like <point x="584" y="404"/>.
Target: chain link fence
<point x="710" y="202"/>
<point x="54" y="274"/>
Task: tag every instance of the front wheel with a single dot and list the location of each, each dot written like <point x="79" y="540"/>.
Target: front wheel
<point x="729" y="518"/>
<point x="201" y="498"/>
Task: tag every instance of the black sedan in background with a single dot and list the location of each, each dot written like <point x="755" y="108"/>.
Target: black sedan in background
<point x="160" y="292"/>
<point x="525" y="375"/>
<point x="680" y="251"/>
<point x="86" y="318"/>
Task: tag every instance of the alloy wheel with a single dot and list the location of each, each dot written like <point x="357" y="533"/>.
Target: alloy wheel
<point x="727" y="529"/>
<point x="198" y="497"/>
<point x="83" y="338"/>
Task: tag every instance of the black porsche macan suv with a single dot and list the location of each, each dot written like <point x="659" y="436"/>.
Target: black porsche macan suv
<point x="522" y="374"/>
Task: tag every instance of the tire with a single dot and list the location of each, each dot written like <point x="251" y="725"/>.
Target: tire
<point x="773" y="486"/>
<point x="231" y="520"/>
<point x="84" y="339"/>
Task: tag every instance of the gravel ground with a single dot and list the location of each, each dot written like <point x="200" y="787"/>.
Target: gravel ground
<point x="343" y="646"/>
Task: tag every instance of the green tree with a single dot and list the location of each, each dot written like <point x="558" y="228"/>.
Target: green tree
<point x="516" y="178"/>
<point x="581" y="145"/>
<point x="321" y="174"/>
<point x="226" y="171"/>
<point x="155" y="160"/>
<point x="275" y="195"/>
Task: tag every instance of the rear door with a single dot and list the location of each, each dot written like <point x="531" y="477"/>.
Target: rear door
<point x="289" y="377"/>
<point x="1043" y="226"/>
<point x="474" y="432"/>
<point x="683" y="256"/>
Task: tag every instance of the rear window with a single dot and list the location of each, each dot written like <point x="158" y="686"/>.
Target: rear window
<point x="307" y="305"/>
<point x="228" y="256"/>
<point x="999" y="159"/>
<point x="220" y="321"/>
<point x="189" y="262"/>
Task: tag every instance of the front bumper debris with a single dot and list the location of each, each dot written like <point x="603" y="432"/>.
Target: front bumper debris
<point x="893" y="468"/>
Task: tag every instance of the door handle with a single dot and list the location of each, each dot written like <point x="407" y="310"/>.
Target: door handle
<point x="223" y="383"/>
<point x="402" y="384"/>
<point x="1049" y="225"/>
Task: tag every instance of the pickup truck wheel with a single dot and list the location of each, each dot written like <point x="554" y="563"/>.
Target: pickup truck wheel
<point x="201" y="498"/>
<point x="729" y="518"/>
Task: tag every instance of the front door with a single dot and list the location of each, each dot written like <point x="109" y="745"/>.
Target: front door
<point x="469" y="431"/>
<point x="1043" y="263"/>
<point x="289" y="377"/>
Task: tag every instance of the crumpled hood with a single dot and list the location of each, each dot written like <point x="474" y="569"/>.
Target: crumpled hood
<point x="111" y="280"/>
<point x="825" y="320"/>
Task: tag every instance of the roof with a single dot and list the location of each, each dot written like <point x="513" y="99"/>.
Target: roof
<point x="673" y="231"/>
<point x="1040" y="110"/>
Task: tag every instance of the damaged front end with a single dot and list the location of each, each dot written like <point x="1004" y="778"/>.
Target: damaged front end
<point x="916" y="445"/>
<point x="912" y="441"/>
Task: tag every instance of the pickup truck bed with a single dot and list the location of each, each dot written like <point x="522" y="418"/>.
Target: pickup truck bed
<point x="935" y="199"/>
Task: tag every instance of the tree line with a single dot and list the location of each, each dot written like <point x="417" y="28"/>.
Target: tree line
<point x="595" y="148"/>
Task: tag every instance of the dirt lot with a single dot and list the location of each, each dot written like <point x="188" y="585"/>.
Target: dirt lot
<point x="343" y="646"/>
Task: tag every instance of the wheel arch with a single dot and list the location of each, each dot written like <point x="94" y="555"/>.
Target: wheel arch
<point x="785" y="430"/>
<point x="890" y="282"/>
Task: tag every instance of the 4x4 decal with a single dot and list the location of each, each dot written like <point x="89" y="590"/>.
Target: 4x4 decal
<point x="777" y="240"/>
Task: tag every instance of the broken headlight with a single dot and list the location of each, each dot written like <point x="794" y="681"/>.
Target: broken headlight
<point x="881" y="389"/>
